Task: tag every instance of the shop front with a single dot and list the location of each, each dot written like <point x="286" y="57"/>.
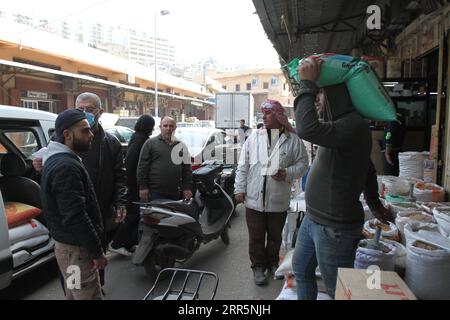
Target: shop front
<point x="39" y="101"/>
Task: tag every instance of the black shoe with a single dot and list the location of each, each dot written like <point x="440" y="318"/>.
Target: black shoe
<point x="272" y="271"/>
<point x="259" y="276"/>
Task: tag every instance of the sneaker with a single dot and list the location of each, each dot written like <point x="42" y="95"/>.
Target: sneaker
<point x="272" y="270"/>
<point x="122" y="251"/>
<point x="259" y="276"/>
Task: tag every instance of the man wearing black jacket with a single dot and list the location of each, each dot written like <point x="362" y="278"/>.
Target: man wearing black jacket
<point x="105" y="165"/>
<point x="126" y="236"/>
<point x="104" y="162"/>
<point x="341" y="171"/>
<point x="71" y="207"/>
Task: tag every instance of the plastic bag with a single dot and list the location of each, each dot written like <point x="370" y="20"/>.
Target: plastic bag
<point x="417" y="218"/>
<point x="286" y="265"/>
<point x="368" y="95"/>
<point x="396" y="208"/>
<point x="335" y="68"/>
<point x="366" y="257"/>
<point x="389" y="231"/>
<point x="427" y="271"/>
<point x="429" y="192"/>
<point x="411" y="164"/>
<point x="442" y="217"/>
<point x="392" y="185"/>
<point x="412" y="231"/>
<point x="400" y="256"/>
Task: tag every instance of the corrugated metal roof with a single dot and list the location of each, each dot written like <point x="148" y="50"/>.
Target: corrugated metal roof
<point x="303" y="27"/>
<point x="299" y="28"/>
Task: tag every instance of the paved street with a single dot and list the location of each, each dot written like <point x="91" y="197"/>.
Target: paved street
<point x="128" y="282"/>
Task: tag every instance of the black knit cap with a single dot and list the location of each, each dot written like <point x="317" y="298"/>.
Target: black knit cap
<point x="66" y="119"/>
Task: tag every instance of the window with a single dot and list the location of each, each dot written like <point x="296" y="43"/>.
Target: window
<point x="224" y="87"/>
<point x="238" y="87"/>
<point x="25" y="141"/>
<point x="265" y="85"/>
<point x="255" y="82"/>
<point x="274" y="81"/>
<point x="125" y="134"/>
<point x="284" y="86"/>
<point x="249" y="86"/>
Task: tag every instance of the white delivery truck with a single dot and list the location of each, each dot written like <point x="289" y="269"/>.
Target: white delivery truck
<point x="232" y="107"/>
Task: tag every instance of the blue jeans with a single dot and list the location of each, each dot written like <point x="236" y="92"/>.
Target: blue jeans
<point x="327" y="247"/>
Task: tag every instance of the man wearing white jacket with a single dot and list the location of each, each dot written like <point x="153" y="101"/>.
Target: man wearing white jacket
<point x="271" y="158"/>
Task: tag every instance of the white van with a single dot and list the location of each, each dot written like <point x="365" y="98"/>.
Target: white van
<point x="22" y="132"/>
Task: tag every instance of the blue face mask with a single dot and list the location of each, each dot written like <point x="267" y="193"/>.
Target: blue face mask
<point x="90" y="118"/>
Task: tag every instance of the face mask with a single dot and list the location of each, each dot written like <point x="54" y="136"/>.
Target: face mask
<point x="90" y="118"/>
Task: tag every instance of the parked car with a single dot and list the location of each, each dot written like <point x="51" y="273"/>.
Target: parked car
<point x="204" y="143"/>
<point x="129" y="122"/>
<point x="22" y="132"/>
<point x="123" y="134"/>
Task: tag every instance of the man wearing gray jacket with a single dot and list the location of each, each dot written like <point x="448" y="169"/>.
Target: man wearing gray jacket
<point x="271" y="158"/>
<point x="341" y="171"/>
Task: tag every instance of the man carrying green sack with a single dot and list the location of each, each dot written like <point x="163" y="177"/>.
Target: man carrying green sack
<point x="367" y="93"/>
<point x="341" y="171"/>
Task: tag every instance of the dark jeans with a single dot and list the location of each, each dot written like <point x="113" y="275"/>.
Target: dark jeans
<point x="264" y="229"/>
<point x="328" y="247"/>
<point x="388" y="169"/>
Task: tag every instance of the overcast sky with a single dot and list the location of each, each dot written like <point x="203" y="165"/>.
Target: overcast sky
<point x="226" y="30"/>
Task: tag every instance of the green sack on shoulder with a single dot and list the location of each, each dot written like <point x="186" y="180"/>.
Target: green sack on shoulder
<point x="368" y="95"/>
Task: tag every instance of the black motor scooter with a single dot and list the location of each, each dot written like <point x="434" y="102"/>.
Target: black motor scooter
<point x="173" y="230"/>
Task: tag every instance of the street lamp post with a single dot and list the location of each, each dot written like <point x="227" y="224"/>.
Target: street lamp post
<point x="162" y="13"/>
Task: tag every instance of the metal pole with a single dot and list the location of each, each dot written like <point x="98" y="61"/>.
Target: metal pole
<point x="156" y="75"/>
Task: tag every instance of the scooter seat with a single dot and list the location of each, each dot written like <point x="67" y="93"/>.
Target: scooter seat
<point x="190" y="208"/>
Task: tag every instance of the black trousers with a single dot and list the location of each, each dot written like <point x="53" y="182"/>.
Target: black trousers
<point x="126" y="234"/>
<point x="265" y="236"/>
<point x="388" y="169"/>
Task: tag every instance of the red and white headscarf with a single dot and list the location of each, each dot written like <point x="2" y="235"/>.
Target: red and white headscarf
<point x="277" y="109"/>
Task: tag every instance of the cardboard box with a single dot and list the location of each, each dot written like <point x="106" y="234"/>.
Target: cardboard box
<point x="361" y="284"/>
